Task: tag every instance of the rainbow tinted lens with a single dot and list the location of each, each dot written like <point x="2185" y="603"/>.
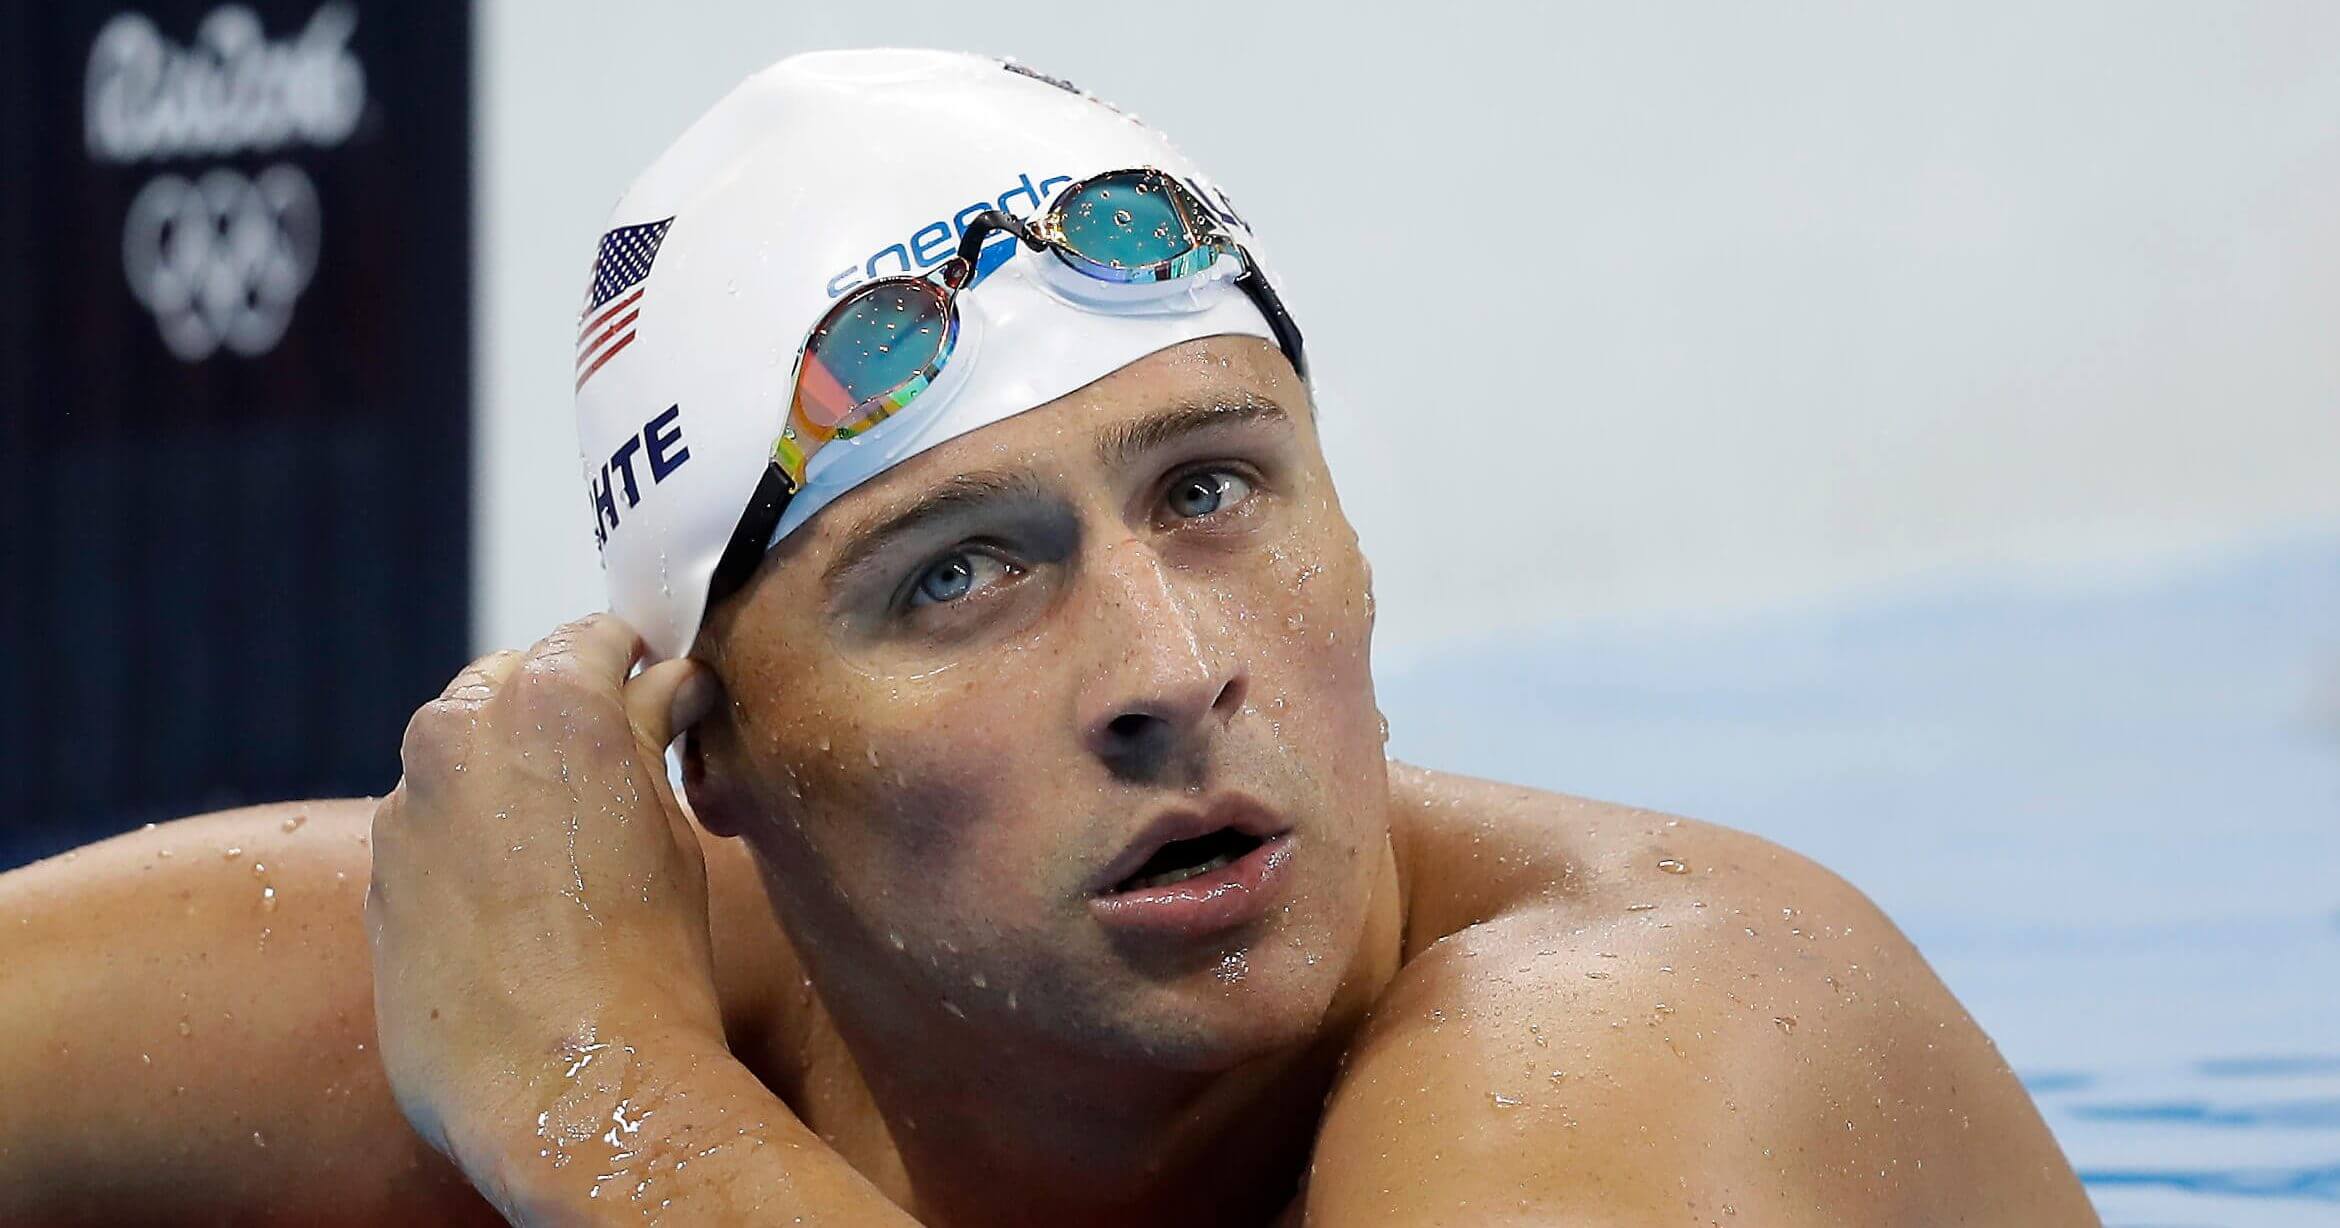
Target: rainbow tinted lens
<point x="872" y="353"/>
<point x="1130" y="226"/>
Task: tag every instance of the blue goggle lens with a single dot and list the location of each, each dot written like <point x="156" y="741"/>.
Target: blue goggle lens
<point x="884" y="339"/>
<point x="1126" y="222"/>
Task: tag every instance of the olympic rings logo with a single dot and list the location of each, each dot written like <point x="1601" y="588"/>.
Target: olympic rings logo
<point x="221" y="260"/>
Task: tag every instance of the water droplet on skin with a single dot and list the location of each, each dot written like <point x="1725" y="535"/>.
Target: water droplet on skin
<point x="165" y="854"/>
<point x="1671" y="866"/>
<point x="258" y="1140"/>
<point x="1505" y="1102"/>
<point x="1232" y="966"/>
<point x="953" y="1008"/>
<point x="230" y="853"/>
<point x="1787" y="1023"/>
<point x="268" y="900"/>
<point x="294" y="823"/>
<point x="185" y="1028"/>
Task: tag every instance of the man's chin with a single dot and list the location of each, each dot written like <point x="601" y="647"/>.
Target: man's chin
<point x="1223" y="1020"/>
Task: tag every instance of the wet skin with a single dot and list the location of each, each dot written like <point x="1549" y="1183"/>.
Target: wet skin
<point x="1453" y="1001"/>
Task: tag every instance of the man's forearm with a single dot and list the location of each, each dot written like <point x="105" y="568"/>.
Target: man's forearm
<point x="626" y="1127"/>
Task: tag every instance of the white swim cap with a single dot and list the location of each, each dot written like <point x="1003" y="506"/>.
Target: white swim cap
<point x="816" y="174"/>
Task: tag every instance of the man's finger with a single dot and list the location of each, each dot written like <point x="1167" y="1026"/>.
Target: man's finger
<point x="603" y="647"/>
<point x="479" y="680"/>
<point x="668" y="698"/>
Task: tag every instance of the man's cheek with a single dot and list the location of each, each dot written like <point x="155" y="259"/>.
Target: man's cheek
<point x="947" y="793"/>
<point x="1330" y="623"/>
<point x="1329" y="656"/>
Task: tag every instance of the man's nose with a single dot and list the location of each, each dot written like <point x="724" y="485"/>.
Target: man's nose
<point x="1164" y="679"/>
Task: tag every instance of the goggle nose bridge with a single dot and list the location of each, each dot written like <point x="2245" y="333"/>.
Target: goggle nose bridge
<point x="957" y="271"/>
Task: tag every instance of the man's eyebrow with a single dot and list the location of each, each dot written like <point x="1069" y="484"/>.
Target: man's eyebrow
<point x="1116" y="446"/>
<point x="954" y="495"/>
<point x="1119" y="445"/>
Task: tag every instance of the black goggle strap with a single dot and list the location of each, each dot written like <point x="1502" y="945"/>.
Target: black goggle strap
<point x="1263" y="296"/>
<point x="745" y="551"/>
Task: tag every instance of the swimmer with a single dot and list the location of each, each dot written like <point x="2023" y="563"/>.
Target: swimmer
<point x="956" y="472"/>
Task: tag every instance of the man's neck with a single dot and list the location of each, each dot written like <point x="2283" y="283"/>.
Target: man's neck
<point x="1006" y="1129"/>
<point x="1086" y="1147"/>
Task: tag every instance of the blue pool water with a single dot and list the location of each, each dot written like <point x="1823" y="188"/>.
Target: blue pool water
<point x="2109" y="816"/>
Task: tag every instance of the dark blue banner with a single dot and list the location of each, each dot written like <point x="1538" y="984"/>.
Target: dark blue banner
<point x="235" y="383"/>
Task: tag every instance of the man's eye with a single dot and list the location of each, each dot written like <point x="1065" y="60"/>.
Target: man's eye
<point x="1200" y="494"/>
<point x="955" y="576"/>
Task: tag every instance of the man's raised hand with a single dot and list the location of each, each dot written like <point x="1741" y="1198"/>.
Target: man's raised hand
<point x="538" y="903"/>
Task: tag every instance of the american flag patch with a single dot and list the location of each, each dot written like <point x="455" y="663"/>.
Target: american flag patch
<point x="616" y="298"/>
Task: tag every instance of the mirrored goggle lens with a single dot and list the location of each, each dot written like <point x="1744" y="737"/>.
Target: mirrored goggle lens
<point x="1125" y="221"/>
<point x="877" y="343"/>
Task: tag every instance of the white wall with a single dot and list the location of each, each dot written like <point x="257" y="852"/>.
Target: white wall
<point x="1618" y="312"/>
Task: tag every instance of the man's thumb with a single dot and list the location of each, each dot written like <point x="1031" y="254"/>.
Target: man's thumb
<point x="668" y="698"/>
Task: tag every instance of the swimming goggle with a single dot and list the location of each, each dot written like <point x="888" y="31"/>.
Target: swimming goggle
<point x="1141" y="237"/>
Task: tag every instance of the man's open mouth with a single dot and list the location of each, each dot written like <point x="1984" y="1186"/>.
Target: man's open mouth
<point x="1192" y="873"/>
<point x="1180" y="860"/>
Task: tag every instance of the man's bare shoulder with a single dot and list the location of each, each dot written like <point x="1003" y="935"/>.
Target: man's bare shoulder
<point x="186" y="1026"/>
<point x="195" y="998"/>
<point x="233" y="874"/>
<point x="238" y="899"/>
<point x="1631" y="1017"/>
<point x="1477" y="851"/>
<point x="313" y="833"/>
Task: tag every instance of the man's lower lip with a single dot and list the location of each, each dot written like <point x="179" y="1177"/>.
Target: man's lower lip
<point x="1214" y="900"/>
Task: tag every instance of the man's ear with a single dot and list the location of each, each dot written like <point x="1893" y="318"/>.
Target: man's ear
<point x="713" y="797"/>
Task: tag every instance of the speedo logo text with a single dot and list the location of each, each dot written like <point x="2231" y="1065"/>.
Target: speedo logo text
<point x="932" y="243"/>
